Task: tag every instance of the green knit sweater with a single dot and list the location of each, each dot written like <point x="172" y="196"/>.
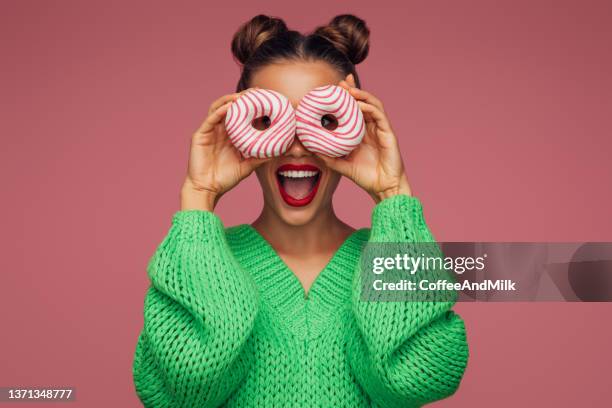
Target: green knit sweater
<point x="226" y="323"/>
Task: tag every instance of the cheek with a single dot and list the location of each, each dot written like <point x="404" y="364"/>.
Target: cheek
<point x="332" y="183"/>
<point x="263" y="176"/>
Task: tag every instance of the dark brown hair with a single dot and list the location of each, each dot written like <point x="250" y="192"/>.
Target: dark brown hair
<point x="263" y="40"/>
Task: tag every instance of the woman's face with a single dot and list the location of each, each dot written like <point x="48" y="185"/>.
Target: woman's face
<point x="296" y="186"/>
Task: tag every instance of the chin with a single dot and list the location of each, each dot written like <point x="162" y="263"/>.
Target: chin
<point x="296" y="218"/>
<point x="297" y="189"/>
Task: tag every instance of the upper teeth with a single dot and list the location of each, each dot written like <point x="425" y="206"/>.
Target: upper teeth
<point x="298" y="173"/>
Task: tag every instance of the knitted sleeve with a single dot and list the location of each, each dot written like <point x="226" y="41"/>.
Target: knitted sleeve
<point x="198" y="313"/>
<point x="405" y="354"/>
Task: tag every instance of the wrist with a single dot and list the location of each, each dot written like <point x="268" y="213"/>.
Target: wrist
<point x="193" y="198"/>
<point x="402" y="187"/>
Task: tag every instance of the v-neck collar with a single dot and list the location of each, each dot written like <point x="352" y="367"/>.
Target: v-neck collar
<point x="282" y="292"/>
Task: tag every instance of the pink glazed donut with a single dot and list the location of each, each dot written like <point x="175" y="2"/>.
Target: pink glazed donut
<point x="261" y="143"/>
<point x="339" y="105"/>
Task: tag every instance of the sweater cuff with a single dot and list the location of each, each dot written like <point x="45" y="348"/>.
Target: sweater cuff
<point x="197" y="226"/>
<point x="397" y="218"/>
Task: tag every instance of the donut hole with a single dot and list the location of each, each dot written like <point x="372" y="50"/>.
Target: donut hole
<point x="329" y="122"/>
<point x="261" y="123"/>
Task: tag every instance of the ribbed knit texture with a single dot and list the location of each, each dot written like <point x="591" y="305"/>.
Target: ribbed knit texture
<point x="226" y="323"/>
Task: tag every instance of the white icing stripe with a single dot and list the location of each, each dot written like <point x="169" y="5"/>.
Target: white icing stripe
<point x="251" y="142"/>
<point x="329" y="100"/>
<point x="305" y="122"/>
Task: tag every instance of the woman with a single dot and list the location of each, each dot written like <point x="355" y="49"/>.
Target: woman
<point x="269" y="314"/>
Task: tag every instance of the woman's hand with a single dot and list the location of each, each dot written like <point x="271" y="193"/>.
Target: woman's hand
<point x="215" y="166"/>
<point x="376" y="164"/>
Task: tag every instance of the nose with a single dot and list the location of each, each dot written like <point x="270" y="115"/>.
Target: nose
<point x="297" y="149"/>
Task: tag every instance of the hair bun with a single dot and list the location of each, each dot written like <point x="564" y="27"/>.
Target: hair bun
<point x="349" y="34"/>
<point x="252" y="34"/>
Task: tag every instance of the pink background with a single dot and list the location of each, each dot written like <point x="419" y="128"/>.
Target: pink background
<point x="503" y="114"/>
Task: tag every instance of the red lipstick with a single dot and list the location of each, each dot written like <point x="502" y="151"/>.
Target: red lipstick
<point x="298" y="183"/>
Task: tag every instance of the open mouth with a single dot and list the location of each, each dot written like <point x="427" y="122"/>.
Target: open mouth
<point x="298" y="183"/>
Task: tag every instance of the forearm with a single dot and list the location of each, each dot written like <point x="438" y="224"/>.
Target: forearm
<point x="426" y="367"/>
<point x="393" y="338"/>
<point x="195" y="266"/>
<point x="199" y="313"/>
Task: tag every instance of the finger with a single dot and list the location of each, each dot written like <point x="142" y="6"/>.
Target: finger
<point x="214" y="119"/>
<point x="344" y="84"/>
<point x="377" y="115"/>
<point x="222" y="101"/>
<point x="227" y="99"/>
<point x="248" y="89"/>
<point x="366" y="97"/>
<point x="250" y="164"/>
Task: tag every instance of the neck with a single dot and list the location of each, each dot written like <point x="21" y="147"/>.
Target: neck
<point x="323" y="233"/>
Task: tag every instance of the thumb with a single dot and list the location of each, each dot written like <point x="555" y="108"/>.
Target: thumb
<point x="248" y="165"/>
